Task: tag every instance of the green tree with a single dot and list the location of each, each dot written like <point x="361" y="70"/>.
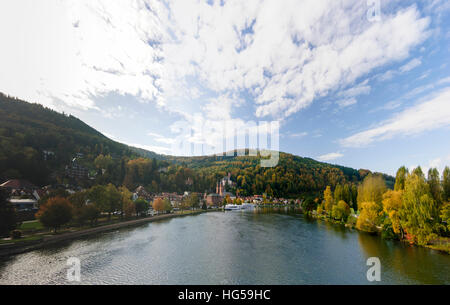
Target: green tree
<point x="419" y="172"/>
<point x="141" y="207"/>
<point x="194" y="201"/>
<point x="8" y="217"/>
<point x="445" y="216"/>
<point x="434" y="184"/>
<point x="103" y="162"/>
<point x="167" y="205"/>
<point x="78" y="201"/>
<point x="446" y="183"/>
<point x="400" y="178"/>
<point x="308" y="205"/>
<point x="338" y="193"/>
<point x="126" y="202"/>
<point x="55" y="212"/>
<point x="418" y="209"/>
<point x="89" y="213"/>
<point x="341" y="211"/>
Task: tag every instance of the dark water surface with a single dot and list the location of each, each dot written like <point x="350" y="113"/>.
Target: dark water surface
<point x="230" y="248"/>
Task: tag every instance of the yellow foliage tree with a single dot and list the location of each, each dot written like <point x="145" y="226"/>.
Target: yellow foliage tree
<point x="328" y="198"/>
<point x="392" y="203"/>
<point x="158" y="205"/>
<point x="367" y="220"/>
<point x="371" y="190"/>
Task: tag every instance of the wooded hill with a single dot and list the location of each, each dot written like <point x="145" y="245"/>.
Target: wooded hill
<point x="29" y="131"/>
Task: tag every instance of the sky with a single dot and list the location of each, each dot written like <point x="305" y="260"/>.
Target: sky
<point x="364" y="84"/>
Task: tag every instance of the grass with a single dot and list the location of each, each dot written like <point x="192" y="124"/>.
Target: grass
<point x="34" y="225"/>
<point x="20" y="240"/>
<point x="441" y="244"/>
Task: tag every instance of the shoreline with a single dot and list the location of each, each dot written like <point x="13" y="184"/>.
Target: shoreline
<point x="378" y="234"/>
<point x="11" y="249"/>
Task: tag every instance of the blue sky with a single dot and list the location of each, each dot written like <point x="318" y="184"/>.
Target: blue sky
<point x="346" y="88"/>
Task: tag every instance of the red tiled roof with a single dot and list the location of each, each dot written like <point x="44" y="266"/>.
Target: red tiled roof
<point x="18" y="184"/>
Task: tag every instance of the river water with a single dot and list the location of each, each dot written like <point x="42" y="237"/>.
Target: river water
<point x="261" y="247"/>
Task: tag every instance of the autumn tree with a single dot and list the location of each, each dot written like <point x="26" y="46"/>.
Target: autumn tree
<point x="55" y="212"/>
<point x="158" y="205"/>
<point x="328" y="199"/>
<point x="368" y="219"/>
<point x="128" y="208"/>
<point x="371" y="190"/>
<point x="392" y="204"/>
<point x="125" y="201"/>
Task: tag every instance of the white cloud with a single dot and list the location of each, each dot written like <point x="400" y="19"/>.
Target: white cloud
<point x="432" y="114"/>
<point x="74" y="51"/>
<point x="346" y="102"/>
<point x="410" y="65"/>
<point x="388" y="75"/>
<point x="355" y="91"/>
<point x="330" y="157"/>
<point x="286" y="54"/>
<point x="298" y="135"/>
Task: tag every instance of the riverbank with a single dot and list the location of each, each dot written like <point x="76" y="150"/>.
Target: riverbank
<point x="35" y="242"/>
<point x="441" y="244"/>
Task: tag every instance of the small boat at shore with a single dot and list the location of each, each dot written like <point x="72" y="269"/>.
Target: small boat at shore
<point x="236" y="207"/>
<point x="232" y="207"/>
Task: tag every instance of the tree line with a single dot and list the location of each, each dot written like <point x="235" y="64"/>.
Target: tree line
<point x="417" y="209"/>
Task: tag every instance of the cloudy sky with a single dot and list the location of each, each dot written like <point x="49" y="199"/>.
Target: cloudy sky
<point x="346" y="84"/>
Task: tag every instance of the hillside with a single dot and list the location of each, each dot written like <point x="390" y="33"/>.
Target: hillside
<point x="29" y="131"/>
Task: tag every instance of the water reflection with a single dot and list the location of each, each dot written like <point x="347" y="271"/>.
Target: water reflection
<point x="263" y="246"/>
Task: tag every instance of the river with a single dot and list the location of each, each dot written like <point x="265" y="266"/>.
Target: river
<point x="261" y="247"/>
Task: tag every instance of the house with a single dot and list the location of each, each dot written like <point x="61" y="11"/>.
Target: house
<point x="48" y="154"/>
<point x="75" y="170"/>
<point x="24" y="204"/>
<point x="141" y="192"/>
<point x="18" y="184"/>
<point x="214" y="199"/>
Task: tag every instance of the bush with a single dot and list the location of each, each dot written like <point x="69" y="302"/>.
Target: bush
<point x="16" y="234"/>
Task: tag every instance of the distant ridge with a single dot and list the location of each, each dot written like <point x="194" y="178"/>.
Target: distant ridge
<point x="31" y="134"/>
